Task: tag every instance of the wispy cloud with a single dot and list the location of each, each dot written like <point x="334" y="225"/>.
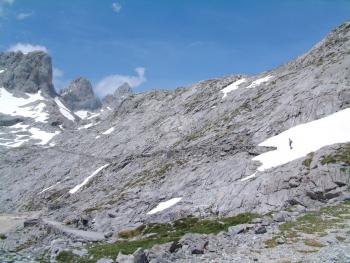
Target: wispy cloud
<point x="22" y="16"/>
<point x="116" y="7"/>
<point x="25" y="48"/>
<point x="110" y="83"/>
<point x="3" y="5"/>
<point x="57" y="78"/>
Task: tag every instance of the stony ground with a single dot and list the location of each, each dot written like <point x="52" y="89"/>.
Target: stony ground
<point x="293" y="235"/>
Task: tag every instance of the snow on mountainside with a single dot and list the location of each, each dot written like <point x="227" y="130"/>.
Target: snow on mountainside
<point x="220" y="147"/>
<point x="305" y="138"/>
<point x="31" y="107"/>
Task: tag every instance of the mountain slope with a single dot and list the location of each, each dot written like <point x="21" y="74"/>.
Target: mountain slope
<point x="198" y="145"/>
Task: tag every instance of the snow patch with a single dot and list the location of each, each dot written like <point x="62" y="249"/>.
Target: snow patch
<point x="82" y="114"/>
<point x="86" y="126"/>
<point x="2" y="71"/>
<point x="248" y="177"/>
<point x="233" y="86"/>
<point x="258" y="82"/>
<point x="32" y="133"/>
<point x="306" y="138"/>
<point x="93" y="116"/>
<point x="63" y="109"/>
<point x="164" y="205"/>
<point x="87" y="179"/>
<point x="109" y="131"/>
<point x="14" y="106"/>
<point x="43" y="136"/>
<point x="49" y="188"/>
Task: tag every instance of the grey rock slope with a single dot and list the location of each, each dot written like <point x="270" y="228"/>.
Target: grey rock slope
<point x="30" y="110"/>
<point x="189" y="143"/>
<point x="27" y="73"/>
<point x="121" y="94"/>
<point x="79" y="95"/>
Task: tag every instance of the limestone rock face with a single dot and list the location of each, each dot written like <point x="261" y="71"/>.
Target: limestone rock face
<point x="26" y="73"/>
<point x="196" y="143"/>
<point x="79" y="95"/>
<point x="121" y="94"/>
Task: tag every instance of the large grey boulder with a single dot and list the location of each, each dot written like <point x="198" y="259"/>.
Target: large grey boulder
<point x="79" y="95"/>
<point x="27" y="73"/>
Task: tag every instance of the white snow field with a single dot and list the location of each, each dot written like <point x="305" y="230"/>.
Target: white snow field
<point x="233" y="86"/>
<point x="87" y="179"/>
<point x="33" y="133"/>
<point x="63" y="109"/>
<point x="11" y="105"/>
<point x="82" y="114"/>
<point x="258" y="82"/>
<point x="2" y="71"/>
<point x="306" y="138"/>
<point x="164" y="205"/>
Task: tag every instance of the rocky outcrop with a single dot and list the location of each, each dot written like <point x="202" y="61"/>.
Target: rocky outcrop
<point x="122" y="93"/>
<point x="26" y="73"/>
<point x="195" y="144"/>
<point x="79" y="95"/>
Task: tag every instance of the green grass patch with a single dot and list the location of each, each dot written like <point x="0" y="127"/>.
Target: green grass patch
<point x="156" y="233"/>
<point x="307" y="162"/>
<point x="313" y="243"/>
<point x="127" y="234"/>
<point x="3" y="236"/>
<point x="343" y="155"/>
<point x="340" y="238"/>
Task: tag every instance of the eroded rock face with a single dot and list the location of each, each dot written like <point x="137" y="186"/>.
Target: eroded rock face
<point x="193" y="144"/>
<point x="121" y="94"/>
<point x="26" y="73"/>
<point x="79" y="95"/>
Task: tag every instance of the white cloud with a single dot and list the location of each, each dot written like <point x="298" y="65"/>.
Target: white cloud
<point x="57" y="78"/>
<point x="22" y="16"/>
<point x="3" y="5"/>
<point x="25" y="48"/>
<point x="116" y="7"/>
<point x="110" y="83"/>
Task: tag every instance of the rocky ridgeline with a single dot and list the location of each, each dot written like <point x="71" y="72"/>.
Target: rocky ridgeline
<point x="79" y="95"/>
<point x="188" y="155"/>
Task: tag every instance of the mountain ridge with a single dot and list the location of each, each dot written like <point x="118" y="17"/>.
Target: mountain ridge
<point x="196" y="146"/>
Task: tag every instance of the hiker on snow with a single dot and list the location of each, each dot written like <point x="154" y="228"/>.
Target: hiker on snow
<point x="290" y="144"/>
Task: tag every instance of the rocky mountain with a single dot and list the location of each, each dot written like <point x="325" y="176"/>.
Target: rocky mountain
<point x="79" y="96"/>
<point x="121" y="94"/>
<point x="234" y="169"/>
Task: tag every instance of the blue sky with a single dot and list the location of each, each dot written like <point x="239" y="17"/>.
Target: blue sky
<point x="170" y="43"/>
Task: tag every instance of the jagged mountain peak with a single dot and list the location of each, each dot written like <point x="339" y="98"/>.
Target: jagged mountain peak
<point x="123" y="92"/>
<point x="276" y="143"/>
<point x="27" y="73"/>
<point x="79" y="95"/>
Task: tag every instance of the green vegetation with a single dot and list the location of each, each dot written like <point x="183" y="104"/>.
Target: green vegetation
<point x="65" y="256"/>
<point x="131" y="233"/>
<point x="330" y="217"/>
<point x="313" y="243"/>
<point x="342" y="155"/>
<point x="271" y="243"/>
<point x="307" y="162"/>
<point x="2" y="236"/>
<point x="155" y="233"/>
<point x="148" y="235"/>
<point x="340" y="238"/>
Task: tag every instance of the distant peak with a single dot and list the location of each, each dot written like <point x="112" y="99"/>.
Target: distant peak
<point x="79" y="95"/>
